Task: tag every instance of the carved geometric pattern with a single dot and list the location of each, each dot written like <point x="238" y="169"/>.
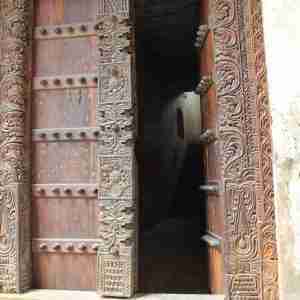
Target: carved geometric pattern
<point x="245" y="143"/>
<point x="117" y="254"/>
<point x="15" y="250"/>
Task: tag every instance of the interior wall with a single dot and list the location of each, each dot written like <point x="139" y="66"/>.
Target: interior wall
<point x="281" y="25"/>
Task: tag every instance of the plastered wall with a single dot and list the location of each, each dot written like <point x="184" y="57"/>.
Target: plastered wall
<point x="282" y="36"/>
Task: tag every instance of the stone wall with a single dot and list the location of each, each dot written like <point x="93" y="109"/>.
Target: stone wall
<point x="282" y="23"/>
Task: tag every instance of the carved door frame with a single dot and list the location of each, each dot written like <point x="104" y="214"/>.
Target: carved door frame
<point x="244" y="132"/>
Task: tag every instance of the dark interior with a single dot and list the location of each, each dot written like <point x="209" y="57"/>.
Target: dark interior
<point x="172" y="213"/>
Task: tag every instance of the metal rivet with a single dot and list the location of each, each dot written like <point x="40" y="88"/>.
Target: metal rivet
<point x="69" y="81"/>
<point x="56" y="81"/>
<point x="96" y="133"/>
<point x="56" y="247"/>
<point x="82" y="134"/>
<point x="56" y="134"/>
<point x="69" y="134"/>
<point x="43" y="31"/>
<point x="68" y="191"/>
<point x="81" y="191"/>
<point x="70" y="247"/>
<point x="83" y="28"/>
<point x="44" y="82"/>
<point x="82" y="80"/>
<point x="82" y="247"/>
<point x="95" y="247"/>
<point x="96" y="27"/>
<point x="95" y="191"/>
<point x="70" y="29"/>
<point x="56" y="190"/>
<point x="42" y="135"/>
<point x="58" y="30"/>
<point x="43" y="246"/>
<point x="41" y="191"/>
<point x="95" y="79"/>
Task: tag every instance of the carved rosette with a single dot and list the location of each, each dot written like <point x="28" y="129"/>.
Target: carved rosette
<point x="116" y="162"/>
<point x="15" y="253"/>
<point x="245" y="141"/>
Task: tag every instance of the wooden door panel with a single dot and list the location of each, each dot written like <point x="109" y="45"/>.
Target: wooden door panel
<point x="64" y="162"/>
<point x="64" y="271"/>
<point x="63" y="217"/>
<point x="65" y="135"/>
<point x="67" y="55"/>
<point x="68" y="108"/>
<point x="57" y="12"/>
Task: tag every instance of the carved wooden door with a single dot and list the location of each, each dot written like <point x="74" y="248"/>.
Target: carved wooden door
<point x="210" y="150"/>
<point x="82" y="147"/>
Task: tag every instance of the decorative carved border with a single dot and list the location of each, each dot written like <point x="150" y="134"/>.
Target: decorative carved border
<point x="244" y="126"/>
<point x="15" y="250"/>
<point x="117" y="253"/>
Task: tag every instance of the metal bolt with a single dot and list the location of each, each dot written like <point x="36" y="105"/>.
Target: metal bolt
<point x="44" y="82"/>
<point x="71" y="29"/>
<point x="95" y="191"/>
<point x="83" y="134"/>
<point x="58" y="30"/>
<point x="56" y="135"/>
<point x="83" y="28"/>
<point x="69" y="134"/>
<point x="95" y="79"/>
<point x="68" y="191"/>
<point x="43" y="246"/>
<point x="43" y="135"/>
<point x="70" y="247"/>
<point x="96" y="133"/>
<point x="43" y="31"/>
<point x="56" y="81"/>
<point x="82" y="247"/>
<point x="82" y="80"/>
<point x="56" y="190"/>
<point x="56" y="247"/>
<point x="81" y="191"/>
<point x="69" y="81"/>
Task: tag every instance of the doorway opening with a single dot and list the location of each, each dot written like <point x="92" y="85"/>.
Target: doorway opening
<point x="172" y="212"/>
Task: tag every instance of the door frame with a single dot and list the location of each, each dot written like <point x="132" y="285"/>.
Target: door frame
<point x="244" y="133"/>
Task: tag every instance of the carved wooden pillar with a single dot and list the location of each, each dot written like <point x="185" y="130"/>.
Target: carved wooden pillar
<point x="245" y="146"/>
<point x="116" y="160"/>
<point x="15" y="251"/>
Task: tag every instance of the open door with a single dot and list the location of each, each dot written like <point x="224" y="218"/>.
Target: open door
<point x="210" y="150"/>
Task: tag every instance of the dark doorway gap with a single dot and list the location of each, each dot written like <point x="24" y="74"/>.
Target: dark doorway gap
<point x="172" y="257"/>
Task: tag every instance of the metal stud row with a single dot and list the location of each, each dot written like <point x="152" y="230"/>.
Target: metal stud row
<point x="87" y="190"/>
<point x="63" y="82"/>
<point x="65" y="134"/>
<point x="65" y="31"/>
<point x="65" y="246"/>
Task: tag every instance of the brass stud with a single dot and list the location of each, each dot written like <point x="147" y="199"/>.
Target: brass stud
<point x="69" y="134"/>
<point x="69" y="81"/>
<point x="96" y="134"/>
<point x="70" y="247"/>
<point x="58" y="30"/>
<point x="56" y="190"/>
<point x="83" y="28"/>
<point x="56" y="135"/>
<point x="41" y="191"/>
<point x="83" y="134"/>
<point x="43" y="31"/>
<point x="95" y="247"/>
<point x="43" y="246"/>
<point x="81" y="191"/>
<point x="82" y="247"/>
<point x="56" y="81"/>
<point x="82" y="80"/>
<point x="56" y="246"/>
<point x="70" y="29"/>
<point x="44" y="82"/>
<point x="68" y="191"/>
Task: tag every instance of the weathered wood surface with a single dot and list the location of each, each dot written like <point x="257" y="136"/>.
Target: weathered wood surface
<point x="64" y="145"/>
